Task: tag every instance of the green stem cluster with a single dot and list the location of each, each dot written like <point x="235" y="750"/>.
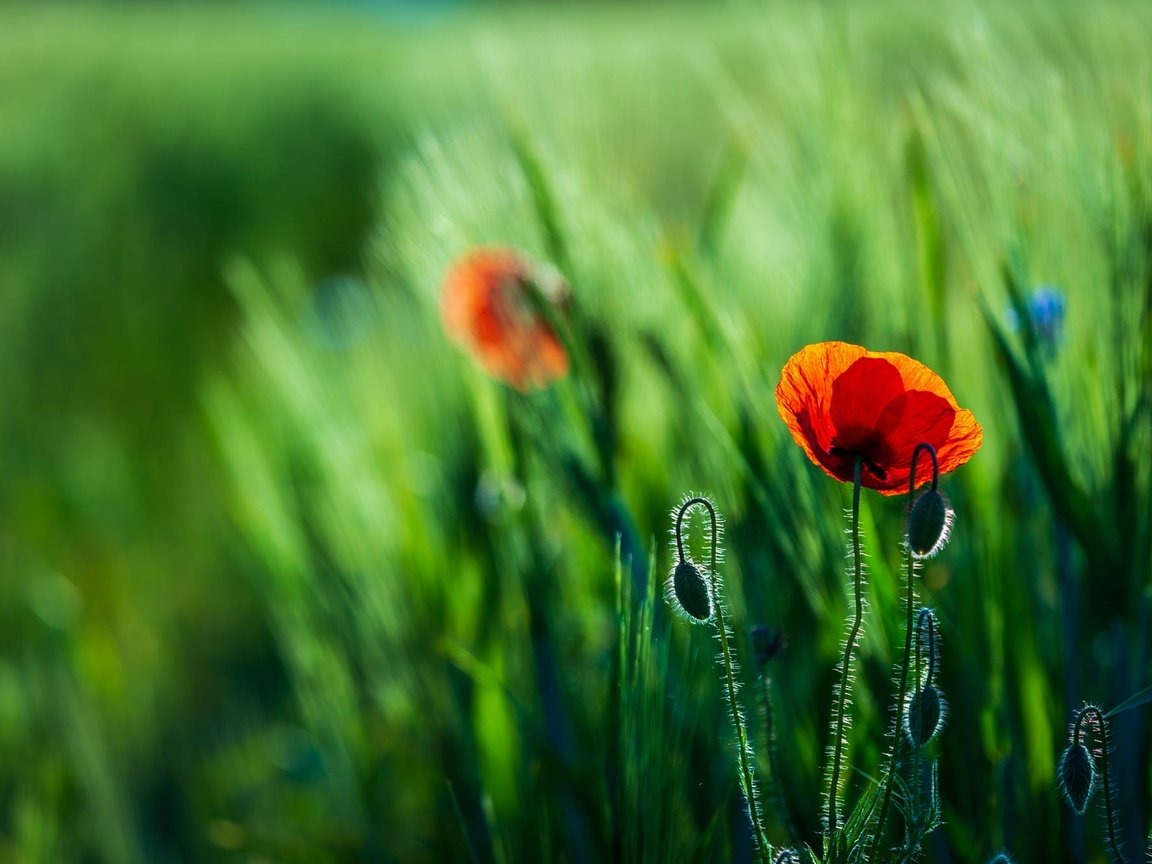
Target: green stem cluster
<point x="901" y="693"/>
<point x="902" y="690"/>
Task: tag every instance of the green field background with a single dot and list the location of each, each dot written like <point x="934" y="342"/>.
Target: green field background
<point x="285" y="578"/>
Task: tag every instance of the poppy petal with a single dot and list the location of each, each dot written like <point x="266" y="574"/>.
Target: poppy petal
<point x="804" y="395"/>
<point x="963" y="441"/>
<point x="859" y="395"/>
<point x="917" y="376"/>
<point x="486" y="309"/>
<point x="840" y="465"/>
<point x="912" y="418"/>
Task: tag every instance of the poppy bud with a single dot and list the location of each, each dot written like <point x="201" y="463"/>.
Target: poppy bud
<point x="689" y="592"/>
<point x="929" y="524"/>
<point x="924" y="715"/>
<point x="786" y="856"/>
<point x="1077" y="776"/>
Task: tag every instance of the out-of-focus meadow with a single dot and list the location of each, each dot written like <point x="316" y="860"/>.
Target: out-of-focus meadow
<point x="286" y="578"/>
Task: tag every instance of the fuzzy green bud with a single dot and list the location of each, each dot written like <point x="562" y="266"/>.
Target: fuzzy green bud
<point x="929" y="524"/>
<point x="924" y="715"/>
<point x="689" y="592"/>
<point x="1077" y="776"/>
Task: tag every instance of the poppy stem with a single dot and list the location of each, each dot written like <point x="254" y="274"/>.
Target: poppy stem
<point x="839" y="744"/>
<point x="744" y="748"/>
<point x="775" y="792"/>
<point x="909" y="605"/>
<point x="918" y="682"/>
<point x="886" y="801"/>
<point x="923" y="447"/>
<point x="926" y="630"/>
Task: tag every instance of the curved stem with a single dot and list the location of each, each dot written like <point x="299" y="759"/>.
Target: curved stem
<point x="1109" y="812"/>
<point x="845" y="669"/>
<point x="923" y="447"/>
<point x="684" y="508"/>
<point x="774" y="790"/>
<point x="729" y="664"/>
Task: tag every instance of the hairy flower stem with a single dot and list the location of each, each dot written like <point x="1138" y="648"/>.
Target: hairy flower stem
<point x="886" y="801"/>
<point x="914" y="798"/>
<point x="845" y="669"/>
<point x="775" y="791"/>
<point x="729" y="665"/>
<point x="909" y="603"/>
<point x="1109" y="812"/>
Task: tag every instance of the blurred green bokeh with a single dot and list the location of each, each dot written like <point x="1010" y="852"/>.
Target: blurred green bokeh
<point x="286" y="578"/>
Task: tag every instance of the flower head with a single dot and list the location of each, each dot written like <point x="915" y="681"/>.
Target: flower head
<point x="1045" y="310"/>
<point x="842" y="401"/>
<point x="489" y="306"/>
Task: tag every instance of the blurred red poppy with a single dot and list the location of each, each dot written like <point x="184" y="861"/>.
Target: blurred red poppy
<point x="842" y="401"/>
<point x="489" y="308"/>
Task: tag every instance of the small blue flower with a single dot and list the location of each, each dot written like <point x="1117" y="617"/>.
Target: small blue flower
<point x="1045" y="307"/>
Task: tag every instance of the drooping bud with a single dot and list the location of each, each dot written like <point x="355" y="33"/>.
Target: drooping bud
<point x="924" y="714"/>
<point x="929" y="524"/>
<point x="689" y="592"/>
<point x="1077" y="776"/>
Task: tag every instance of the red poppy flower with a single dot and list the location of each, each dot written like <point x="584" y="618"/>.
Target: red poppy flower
<point x="842" y="401"/>
<point x="488" y="308"/>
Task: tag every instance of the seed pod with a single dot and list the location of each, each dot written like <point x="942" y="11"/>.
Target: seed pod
<point x="1077" y="776"/>
<point x="689" y="592"/>
<point x="924" y="715"/>
<point x="929" y="524"/>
